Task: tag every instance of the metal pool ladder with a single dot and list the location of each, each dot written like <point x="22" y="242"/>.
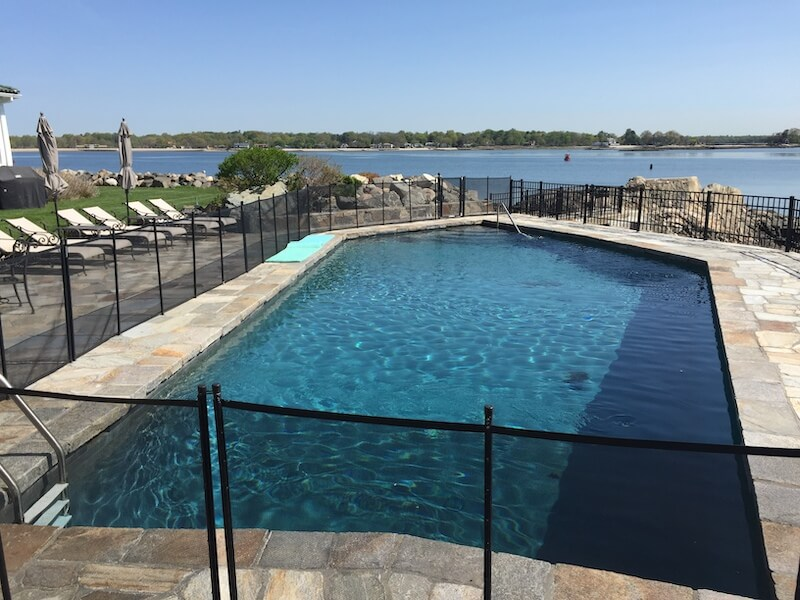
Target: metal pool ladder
<point x="505" y="208"/>
<point x="53" y="507"/>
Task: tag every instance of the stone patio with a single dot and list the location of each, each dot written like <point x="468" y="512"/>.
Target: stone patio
<point x="757" y="296"/>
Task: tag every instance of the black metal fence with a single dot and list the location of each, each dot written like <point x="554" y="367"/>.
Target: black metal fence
<point x="753" y="220"/>
<point x="217" y="418"/>
<point x="79" y="305"/>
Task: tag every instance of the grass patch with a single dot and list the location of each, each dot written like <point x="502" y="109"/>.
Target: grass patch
<point x="113" y="200"/>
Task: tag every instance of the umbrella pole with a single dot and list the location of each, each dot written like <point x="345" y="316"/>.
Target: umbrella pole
<point x="55" y="205"/>
<point x="128" y="209"/>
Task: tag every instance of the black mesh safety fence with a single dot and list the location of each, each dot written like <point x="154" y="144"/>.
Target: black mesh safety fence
<point x="104" y="292"/>
<point x="226" y="472"/>
<point x="34" y="340"/>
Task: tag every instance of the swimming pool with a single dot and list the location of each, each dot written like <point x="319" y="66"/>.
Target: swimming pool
<point x="556" y="335"/>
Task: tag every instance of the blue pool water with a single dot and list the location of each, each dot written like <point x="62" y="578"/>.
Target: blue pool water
<point x="555" y="335"/>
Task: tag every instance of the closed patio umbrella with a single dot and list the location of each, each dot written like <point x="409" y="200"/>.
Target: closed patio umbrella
<point x="126" y="161"/>
<point x="48" y="150"/>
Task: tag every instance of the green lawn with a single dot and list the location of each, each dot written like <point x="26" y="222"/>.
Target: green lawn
<point x="113" y="200"/>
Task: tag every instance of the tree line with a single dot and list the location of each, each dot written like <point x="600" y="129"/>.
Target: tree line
<point x="400" y="139"/>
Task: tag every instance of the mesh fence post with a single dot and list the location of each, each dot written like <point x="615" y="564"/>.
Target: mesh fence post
<point x="194" y="257"/>
<point x="330" y="207"/>
<point x="158" y="271"/>
<point x="208" y="490"/>
<point x="221" y="249"/>
<point x="410" y="204"/>
<point x="68" y="318"/>
<point x="3" y="367"/>
<point x="790" y="240"/>
<point x="116" y="277"/>
<point x="383" y="203"/>
<point x="308" y="210"/>
<point x="462" y="196"/>
<point x="355" y="199"/>
<point x="488" y="412"/>
<point x="288" y="227"/>
<point x="244" y="235"/>
<point x="297" y="206"/>
<point x="275" y="223"/>
<point x="261" y="230"/>
<point x="227" y="517"/>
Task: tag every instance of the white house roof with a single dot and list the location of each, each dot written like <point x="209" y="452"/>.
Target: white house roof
<point x="8" y="92"/>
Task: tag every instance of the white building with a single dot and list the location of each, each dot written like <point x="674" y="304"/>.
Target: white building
<point x="7" y="94"/>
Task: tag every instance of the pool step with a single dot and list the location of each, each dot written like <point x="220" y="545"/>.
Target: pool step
<point x="51" y="509"/>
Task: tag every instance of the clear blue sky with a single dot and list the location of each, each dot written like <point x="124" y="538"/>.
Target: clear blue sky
<point x="695" y="66"/>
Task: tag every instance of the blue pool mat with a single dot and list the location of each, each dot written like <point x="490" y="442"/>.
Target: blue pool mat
<point x="302" y="249"/>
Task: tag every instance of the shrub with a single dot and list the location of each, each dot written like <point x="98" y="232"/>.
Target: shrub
<point x="79" y="186"/>
<point x="314" y="171"/>
<point x="254" y="168"/>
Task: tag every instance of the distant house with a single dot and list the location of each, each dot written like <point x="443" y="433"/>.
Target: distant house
<point x="7" y="94"/>
<point x="241" y="145"/>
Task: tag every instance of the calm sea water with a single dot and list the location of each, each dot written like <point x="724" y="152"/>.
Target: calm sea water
<point x="761" y="172"/>
<point x="555" y="335"/>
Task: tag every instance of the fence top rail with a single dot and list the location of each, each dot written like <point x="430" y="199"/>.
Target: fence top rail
<point x="99" y="399"/>
<point x="642" y="444"/>
<point x="576" y="438"/>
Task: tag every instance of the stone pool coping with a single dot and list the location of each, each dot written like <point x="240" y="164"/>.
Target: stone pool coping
<point x="756" y="293"/>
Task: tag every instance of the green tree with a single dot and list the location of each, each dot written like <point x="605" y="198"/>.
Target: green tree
<point x="255" y="167"/>
<point x="629" y="138"/>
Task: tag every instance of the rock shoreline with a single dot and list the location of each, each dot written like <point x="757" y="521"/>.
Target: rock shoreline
<point x="147" y="179"/>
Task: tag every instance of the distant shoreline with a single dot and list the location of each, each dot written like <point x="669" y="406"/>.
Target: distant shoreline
<point x="619" y="148"/>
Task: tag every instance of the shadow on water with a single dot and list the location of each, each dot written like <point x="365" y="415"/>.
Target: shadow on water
<point x="688" y="518"/>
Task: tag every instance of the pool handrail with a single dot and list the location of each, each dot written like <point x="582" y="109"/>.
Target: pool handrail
<point x="61" y="456"/>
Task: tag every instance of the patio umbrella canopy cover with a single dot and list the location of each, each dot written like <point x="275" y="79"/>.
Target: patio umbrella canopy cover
<point x="126" y="158"/>
<point x="48" y="150"/>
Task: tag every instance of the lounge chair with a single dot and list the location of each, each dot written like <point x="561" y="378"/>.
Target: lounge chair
<point x="78" y="222"/>
<point x="45" y="238"/>
<point x="148" y="215"/>
<point x="169" y="210"/>
<point x="14" y="265"/>
<point x="106" y="218"/>
<point x="45" y="249"/>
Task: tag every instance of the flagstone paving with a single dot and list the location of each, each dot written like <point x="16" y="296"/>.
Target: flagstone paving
<point x="757" y="296"/>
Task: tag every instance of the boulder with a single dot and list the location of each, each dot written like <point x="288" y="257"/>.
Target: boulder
<point x="409" y="194"/>
<point x="424" y="181"/>
<point x="110" y="181"/>
<point x="360" y="178"/>
<point x="667" y="184"/>
<point x="162" y="182"/>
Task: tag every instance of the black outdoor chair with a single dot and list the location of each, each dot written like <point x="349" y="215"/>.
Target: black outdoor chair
<point x="14" y="271"/>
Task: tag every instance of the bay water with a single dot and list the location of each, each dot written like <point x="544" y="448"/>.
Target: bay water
<point x="755" y="171"/>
